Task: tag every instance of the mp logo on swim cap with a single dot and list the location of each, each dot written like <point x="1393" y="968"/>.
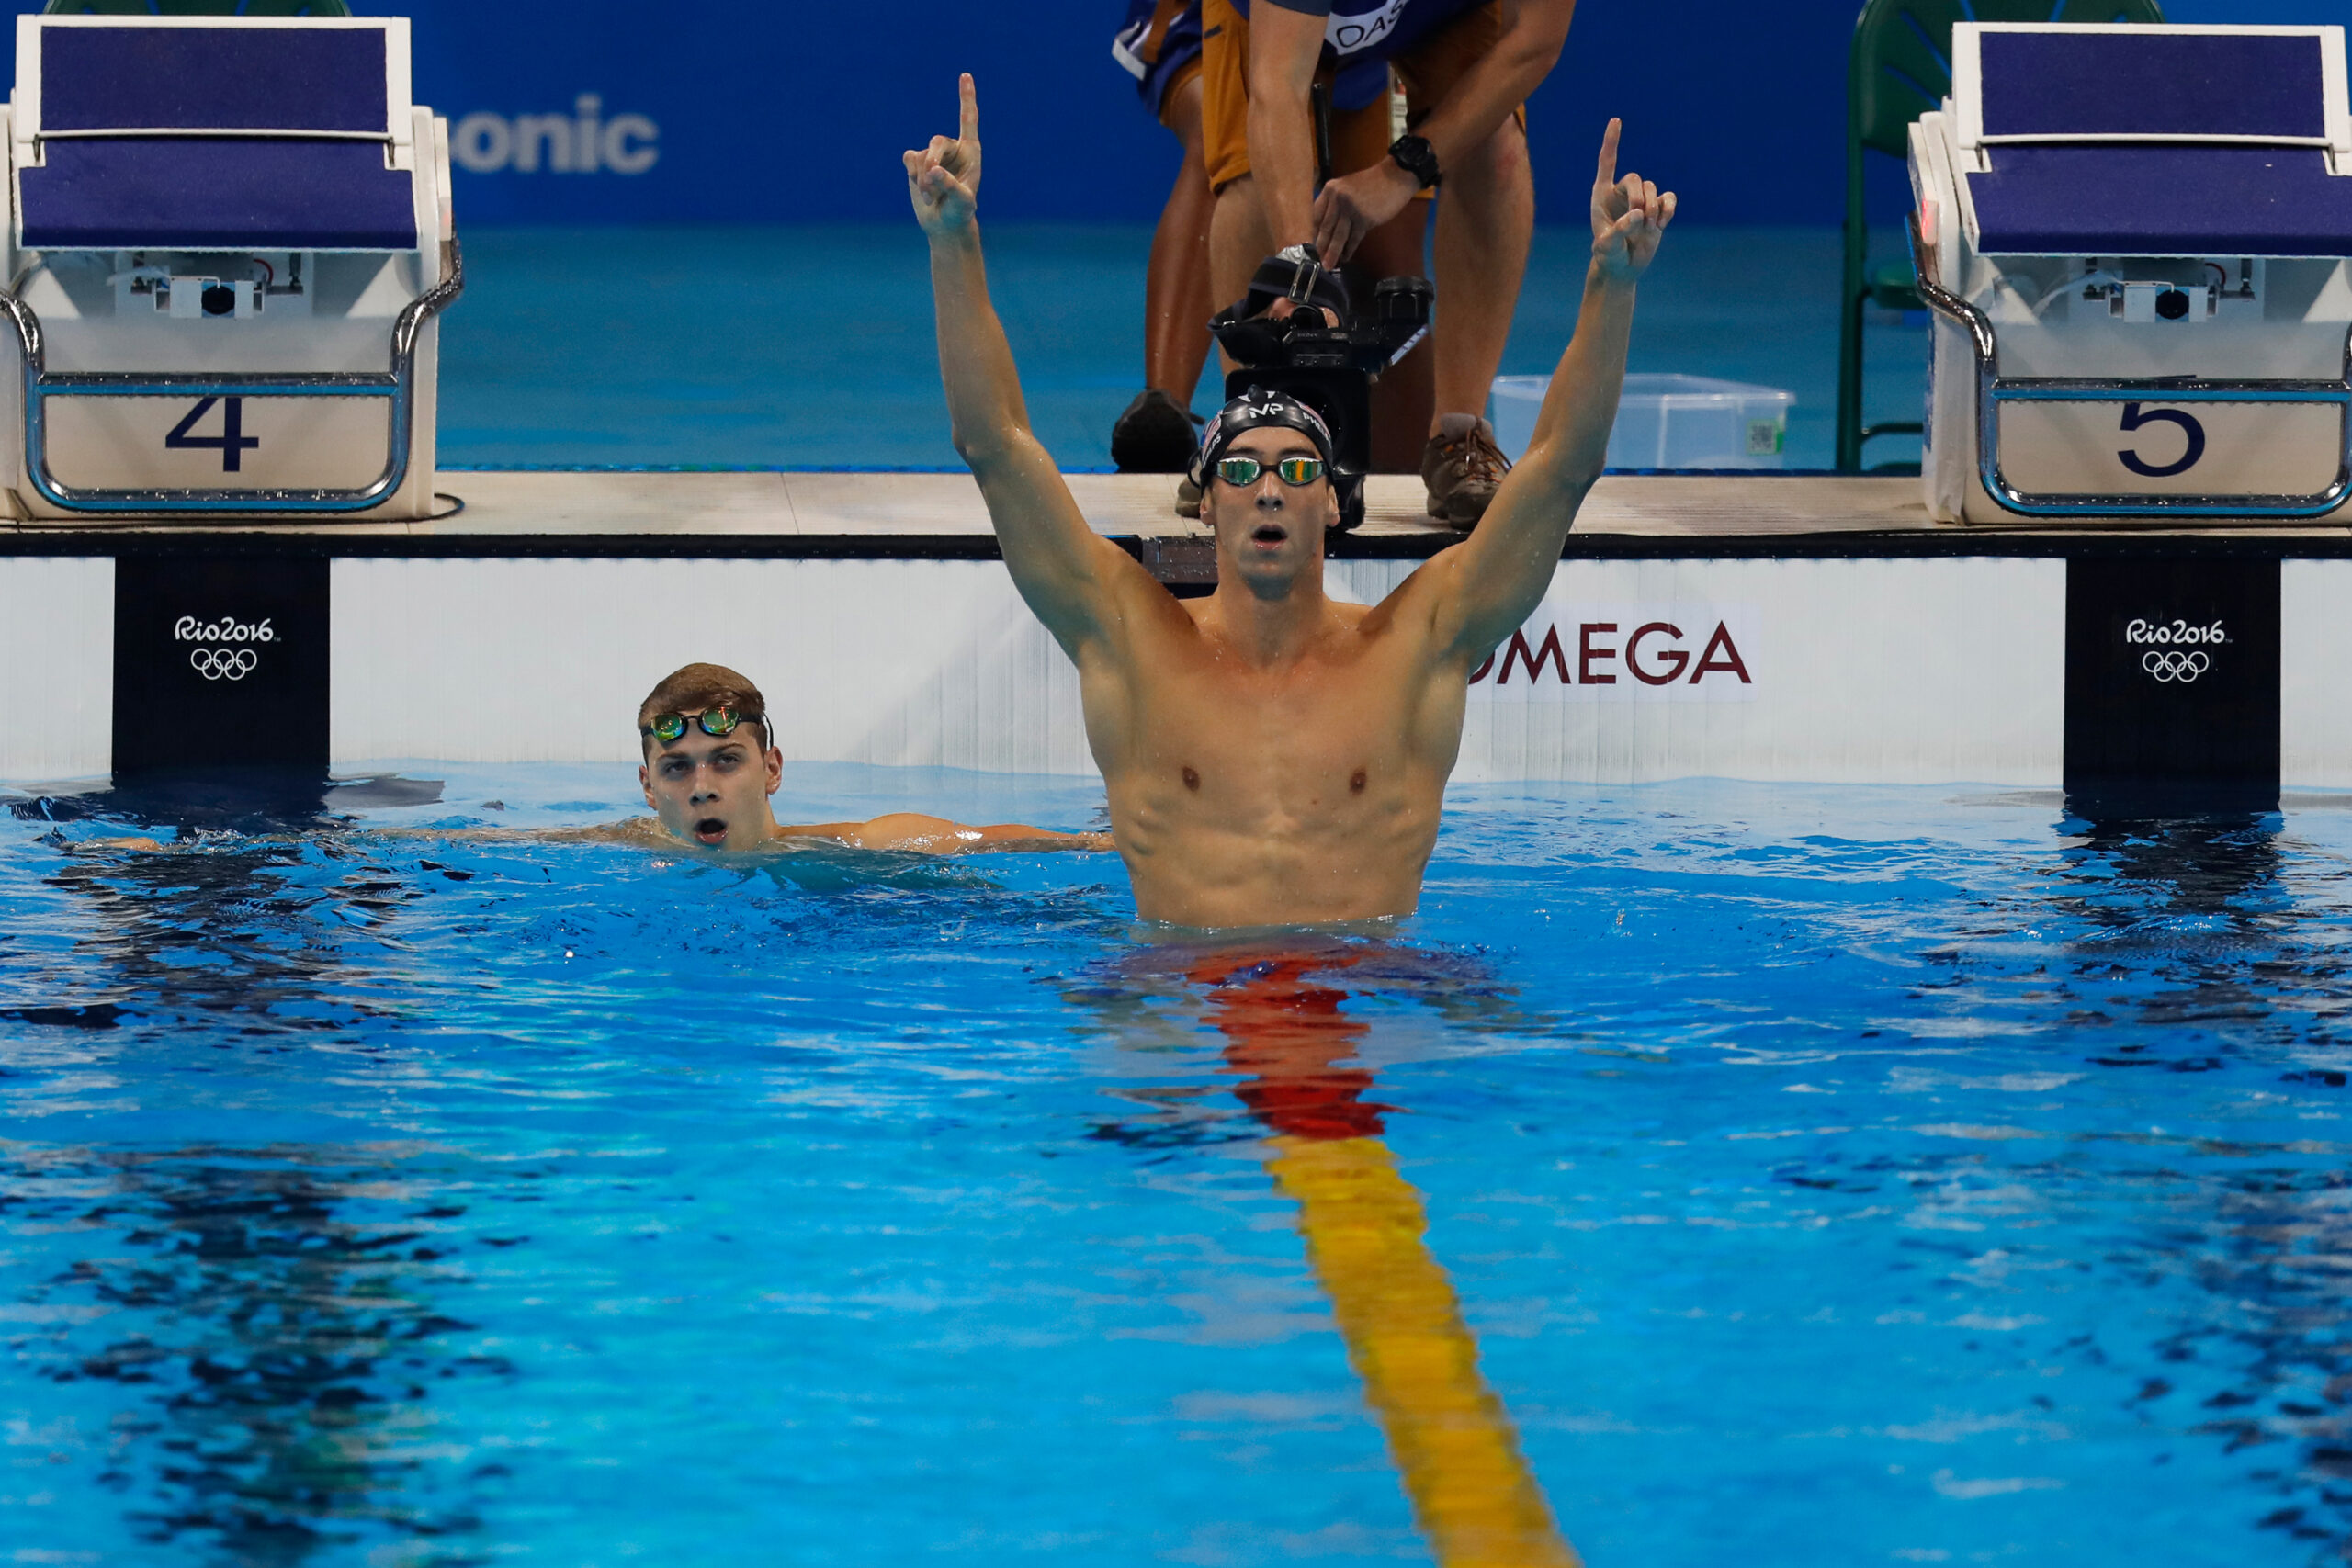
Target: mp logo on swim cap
<point x="1254" y="410"/>
<point x="1288" y="408"/>
<point x="1272" y="408"/>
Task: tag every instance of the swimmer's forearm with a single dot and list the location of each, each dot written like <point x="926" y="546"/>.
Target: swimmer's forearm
<point x="1018" y="838"/>
<point x="985" y="409"/>
<point x="914" y="832"/>
<point x="1501" y="572"/>
<point x="1570" y="444"/>
<point x="1058" y="562"/>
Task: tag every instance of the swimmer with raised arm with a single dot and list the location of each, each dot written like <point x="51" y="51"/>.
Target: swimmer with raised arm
<point x="1274" y="757"/>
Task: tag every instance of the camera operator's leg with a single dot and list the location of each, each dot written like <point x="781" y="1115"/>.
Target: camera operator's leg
<point x="1239" y="237"/>
<point x="1156" y="434"/>
<point x="1403" y="396"/>
<point x="1238" y="240"/>
<point x="1177" y="299"/>
<point x="1486" y="221"/>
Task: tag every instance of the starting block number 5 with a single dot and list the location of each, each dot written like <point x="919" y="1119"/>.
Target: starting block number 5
<point x="2133" y="418"/>
<point x="2210" y="448"/>
<point x="232" y="442"/>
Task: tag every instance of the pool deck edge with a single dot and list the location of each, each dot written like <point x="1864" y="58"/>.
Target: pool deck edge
<point x="941" y="516"/>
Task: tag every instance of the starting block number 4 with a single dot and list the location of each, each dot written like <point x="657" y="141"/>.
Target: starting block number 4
<point x="217" y="443"/>
<point x="232" y="442"/>
<point x="2153" y="448"/>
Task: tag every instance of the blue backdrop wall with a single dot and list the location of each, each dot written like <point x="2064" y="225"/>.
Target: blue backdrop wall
<point x="748" y="110"/>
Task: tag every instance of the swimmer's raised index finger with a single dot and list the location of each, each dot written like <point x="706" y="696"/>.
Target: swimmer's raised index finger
<point x="970" y="131"/>
<point x="1607" y="173"/>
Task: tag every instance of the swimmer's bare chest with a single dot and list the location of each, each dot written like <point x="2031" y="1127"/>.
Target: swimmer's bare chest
<point x="1243" y="796"/>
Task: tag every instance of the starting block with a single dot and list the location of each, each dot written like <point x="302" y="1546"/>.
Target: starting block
<point x="230" y="239"/>
<point x="2134" y="239"/>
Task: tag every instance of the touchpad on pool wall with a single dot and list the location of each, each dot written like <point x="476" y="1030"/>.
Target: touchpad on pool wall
<point x="220" y="663"/>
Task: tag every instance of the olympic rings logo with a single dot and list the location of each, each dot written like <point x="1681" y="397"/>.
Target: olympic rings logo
<point x="2181" y="667"/>
<point x="223" y="663"/>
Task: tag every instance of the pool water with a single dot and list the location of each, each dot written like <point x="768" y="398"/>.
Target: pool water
<point x="1713" y="1173"/>
<point x="814" y="346"/>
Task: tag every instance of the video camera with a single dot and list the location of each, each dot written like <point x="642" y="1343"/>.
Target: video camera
<point x="1328" y="369"/>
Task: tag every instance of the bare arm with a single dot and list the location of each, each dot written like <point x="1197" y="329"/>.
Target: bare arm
<point x="1493" y="580"/>
<point x="937" y="835"/>
<point x="1285" y="46"/>
<point x="1533" y="32"/>
<point x="1062" y="568"/>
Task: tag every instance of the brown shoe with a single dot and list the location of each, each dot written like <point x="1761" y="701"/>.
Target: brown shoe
<point x="1461" y="466"/>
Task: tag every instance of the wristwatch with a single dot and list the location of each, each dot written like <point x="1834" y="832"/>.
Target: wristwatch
<point x="1417" y="158"/>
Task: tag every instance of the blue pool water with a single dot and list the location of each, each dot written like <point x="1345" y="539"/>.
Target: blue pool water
<point x="1822" y="1176"/>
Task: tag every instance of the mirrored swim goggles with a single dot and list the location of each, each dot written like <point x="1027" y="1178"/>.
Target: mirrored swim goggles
<point x="1294" y="472"/>
<point x="719" y="721"/>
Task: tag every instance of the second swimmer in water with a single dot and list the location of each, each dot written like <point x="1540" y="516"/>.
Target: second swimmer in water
<point x="711" y="764"/>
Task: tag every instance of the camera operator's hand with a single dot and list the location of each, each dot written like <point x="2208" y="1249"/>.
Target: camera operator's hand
<point x="943" y="179"/>
<point x="1355" y="204"/>
<point x="1628" y="216"/>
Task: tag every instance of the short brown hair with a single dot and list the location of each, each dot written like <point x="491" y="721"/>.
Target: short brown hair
<point x="698" y="688"/>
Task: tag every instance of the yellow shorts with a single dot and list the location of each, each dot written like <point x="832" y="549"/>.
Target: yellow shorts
<point x="1360" y="138"/>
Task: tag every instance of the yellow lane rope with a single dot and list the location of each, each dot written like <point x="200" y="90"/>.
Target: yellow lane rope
<point x="1450" y="1435"/>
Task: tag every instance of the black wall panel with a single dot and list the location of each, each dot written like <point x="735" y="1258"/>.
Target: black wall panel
<point x="219" y="662"/>
<point x="2172" y="678"/>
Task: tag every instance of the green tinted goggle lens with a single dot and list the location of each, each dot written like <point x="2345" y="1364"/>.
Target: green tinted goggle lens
<point x="1292" y="471"/>
<point x="668" y="726"/>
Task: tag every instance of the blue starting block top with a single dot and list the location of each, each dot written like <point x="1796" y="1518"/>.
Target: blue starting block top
<point x="2129" y="82"/>
<point x="144" y="135"/>
<point x="2152" y="140"/>
<point x="180" y="193"/>
<point x="313" y="80"/>
<point x="2096" y="200"/>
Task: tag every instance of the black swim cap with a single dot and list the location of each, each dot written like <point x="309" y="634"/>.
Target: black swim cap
<point x="1255" y="410"/>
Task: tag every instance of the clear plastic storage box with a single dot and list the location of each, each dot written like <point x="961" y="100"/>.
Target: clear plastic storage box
<point x="1665" y="422"/>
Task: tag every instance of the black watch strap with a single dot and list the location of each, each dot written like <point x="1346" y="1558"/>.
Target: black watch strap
<point x="1417" y="158"/>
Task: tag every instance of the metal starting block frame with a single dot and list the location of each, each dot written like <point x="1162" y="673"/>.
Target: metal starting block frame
<point x="2133" y="240"/>
<point x="207" y="210"/>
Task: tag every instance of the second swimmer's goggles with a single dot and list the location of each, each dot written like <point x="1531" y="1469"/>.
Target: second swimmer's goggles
<point x="719" y="721"/>
<point x="1293" y="471"/>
